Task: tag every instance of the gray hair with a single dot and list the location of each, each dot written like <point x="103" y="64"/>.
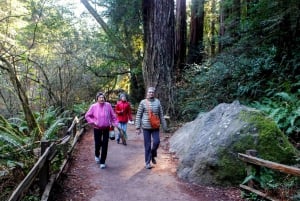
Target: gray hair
<point x="151" y="89"/>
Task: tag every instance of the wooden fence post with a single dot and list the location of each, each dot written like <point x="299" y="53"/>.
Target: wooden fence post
<point x="44" y="173"/>
<point x="250" y="167"/>
<point x="74" y="129"/>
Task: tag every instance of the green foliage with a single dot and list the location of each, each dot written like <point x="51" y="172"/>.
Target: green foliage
<point x="225" y="79"/>
<point x="31" y="198"/>
<point x="284" y="108"/>
<point x="12" y="143"/>
<point x="15" y="148"/>
<point x="261" y="134"/>
<point x="273" y="144"/>
<point x="194" y="94"/>
<point x="52" y="120"/>
<point x="80" y="108"/>
<point x="265" y="60"/>
<point x="51" y="132"/>
<point x="273" y="183"/>
<point x="121" y="50"/>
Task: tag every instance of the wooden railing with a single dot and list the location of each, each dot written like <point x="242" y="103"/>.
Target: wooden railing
<point x="49" y="151"/>
<point x="256" y="163"/>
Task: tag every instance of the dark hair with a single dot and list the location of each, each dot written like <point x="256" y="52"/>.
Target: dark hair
<point x="100" y="94"/>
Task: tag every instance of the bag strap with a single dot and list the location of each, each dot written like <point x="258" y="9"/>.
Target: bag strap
<point x="148" y="107"/>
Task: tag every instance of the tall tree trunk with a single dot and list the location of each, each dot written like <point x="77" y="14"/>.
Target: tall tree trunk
<point x="195" y="53"/>
<point x="180" y="36"/>
<point x="231" y="28"/>
<point x="222" y="17"/>
<point x="158" y="63"/>
<point x="236" y="12"/>
<point x="213" y="30"/>
<point x="29" y="117"/>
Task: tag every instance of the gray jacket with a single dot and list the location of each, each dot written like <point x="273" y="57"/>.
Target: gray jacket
<point x="142" y="116"/>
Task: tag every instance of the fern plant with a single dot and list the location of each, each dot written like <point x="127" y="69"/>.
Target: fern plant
<point x="51" y="121"/>
<point x="14" y="143"/>
<point x="284" y="108"/>
<point x="80" y="108"/>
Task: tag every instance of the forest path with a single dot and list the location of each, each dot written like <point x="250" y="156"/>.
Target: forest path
<point x="126" y="178"/>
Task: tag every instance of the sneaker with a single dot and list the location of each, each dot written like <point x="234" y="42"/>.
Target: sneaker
<point x="153" y="160"/>
<point x="118" y="141"/>
<point x="102" y="166"/>
<point x="148" y="166"/>
<point x="97" y="159"/>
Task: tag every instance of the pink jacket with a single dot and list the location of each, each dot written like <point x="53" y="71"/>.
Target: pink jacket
<point x="101" y="115"/>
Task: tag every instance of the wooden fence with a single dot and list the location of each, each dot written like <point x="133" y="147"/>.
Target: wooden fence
<point x="256" y="163"/>
<point x="49" y="151"/>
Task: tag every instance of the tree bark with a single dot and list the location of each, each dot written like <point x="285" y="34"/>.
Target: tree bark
<point x="222" y="17"/>
<point x="236" y="19"/>
<point x="180" y="36"/>
<point x="195" y="53"/>
<point x="213" y="46"/>
<point x="158" y="63"/>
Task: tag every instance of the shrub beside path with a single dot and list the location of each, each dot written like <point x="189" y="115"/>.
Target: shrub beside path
<point x="126" y="178"/>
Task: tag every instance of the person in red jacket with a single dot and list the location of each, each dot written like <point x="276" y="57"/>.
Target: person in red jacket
<point x="123" y="111"/>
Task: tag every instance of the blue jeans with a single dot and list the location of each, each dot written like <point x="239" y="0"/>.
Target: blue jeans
<point x="150" y="134"/>
<point x="123" y="126"/>
<point x="101" y="137"/>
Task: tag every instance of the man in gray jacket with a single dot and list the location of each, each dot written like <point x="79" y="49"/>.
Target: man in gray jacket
<point x="150" y="105"/>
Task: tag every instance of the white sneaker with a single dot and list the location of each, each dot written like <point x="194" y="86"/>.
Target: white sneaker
<point x="97" y="159"/>
<point x="102" y="166"/>
<point x="148" y="166"/>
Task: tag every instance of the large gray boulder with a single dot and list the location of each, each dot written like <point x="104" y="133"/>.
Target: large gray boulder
<point x="207" y="147"/>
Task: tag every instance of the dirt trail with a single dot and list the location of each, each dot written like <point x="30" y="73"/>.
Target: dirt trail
<point x="126" y="178"/>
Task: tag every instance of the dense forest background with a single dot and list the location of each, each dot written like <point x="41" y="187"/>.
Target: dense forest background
<point x="54" y="58"/>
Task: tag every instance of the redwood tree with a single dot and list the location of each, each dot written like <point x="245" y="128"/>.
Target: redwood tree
<point x="158" y="63"/>
<point x="180" y="36"/>
<point x="196" y="32"/>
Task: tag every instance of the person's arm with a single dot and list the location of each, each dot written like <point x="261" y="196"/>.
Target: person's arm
<point x="129" y="112"/>
<point x="138" y="117"/>
<point x="162" y="118"/>
<point x="113" y="116"/>
<point x="117" y="108"/>
<point x="89" y="116"/>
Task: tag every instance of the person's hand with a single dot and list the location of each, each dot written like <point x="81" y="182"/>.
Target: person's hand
<point x="138" y="131"/>
<point x="94" y="124"/>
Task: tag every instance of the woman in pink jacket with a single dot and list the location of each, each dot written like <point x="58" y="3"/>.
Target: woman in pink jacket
<point x="101" y="116"/>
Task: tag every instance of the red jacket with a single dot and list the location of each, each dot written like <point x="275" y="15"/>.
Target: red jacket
<point x="123" y="111"/>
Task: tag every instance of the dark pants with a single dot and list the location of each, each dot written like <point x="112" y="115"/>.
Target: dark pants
<point x="151" y="152"/>
<point x="101" y="137"/>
